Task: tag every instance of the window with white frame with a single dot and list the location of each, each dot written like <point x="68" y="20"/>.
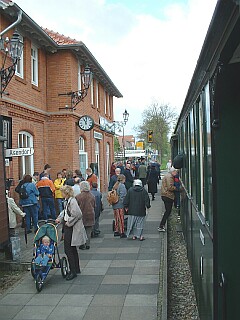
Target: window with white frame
<point x="107" y="161"/>
<point x="79" y="77"/>
<point x="83" y="157"/>
<point x="109" y="106"/>
<point x="97" y="103"/>
<point x="26" y="163"/>
<point x="105" y="102"/>
<point x="34" y="65"/>
<point x="92" y="92"/>
<point x="19" y="67"/>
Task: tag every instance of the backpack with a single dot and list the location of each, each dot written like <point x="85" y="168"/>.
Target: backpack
<point x="112" y="197"/>
<point x="23" y="192"/>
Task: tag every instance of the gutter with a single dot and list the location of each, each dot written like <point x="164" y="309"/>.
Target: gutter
<point x="13" y="24"/>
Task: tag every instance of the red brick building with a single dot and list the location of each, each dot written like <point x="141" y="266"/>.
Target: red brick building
<point x="33" y="114"/>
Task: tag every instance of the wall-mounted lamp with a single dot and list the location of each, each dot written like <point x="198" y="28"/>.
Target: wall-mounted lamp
<point x="77" y="96"/>
<point x="13" y="48"/>
<point x="120" y="125"/>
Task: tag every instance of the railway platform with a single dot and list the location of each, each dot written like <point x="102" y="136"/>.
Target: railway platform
<point x="121" y="279"/>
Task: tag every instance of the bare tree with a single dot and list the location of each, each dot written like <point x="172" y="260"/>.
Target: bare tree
<point x="161" y="119"/>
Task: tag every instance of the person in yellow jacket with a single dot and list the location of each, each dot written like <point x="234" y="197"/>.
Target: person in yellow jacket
<point x="58" y="183"/>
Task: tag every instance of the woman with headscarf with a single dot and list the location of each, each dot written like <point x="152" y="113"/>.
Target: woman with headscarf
<point x="86" y="202"/>
<point x="74" y="232"/>
<point x="135" y="203"/>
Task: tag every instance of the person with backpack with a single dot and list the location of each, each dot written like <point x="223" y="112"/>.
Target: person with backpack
<point x="118" y="207"/>
<point x="28" y="194"/>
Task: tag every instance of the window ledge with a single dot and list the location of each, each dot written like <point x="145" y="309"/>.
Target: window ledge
<point x="36" y="88"/>
<point x="18" y="78"/>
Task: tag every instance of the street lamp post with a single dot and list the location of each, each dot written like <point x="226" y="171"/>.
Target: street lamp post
<point x="12" y="47"/>
<point x="121" y="124"/>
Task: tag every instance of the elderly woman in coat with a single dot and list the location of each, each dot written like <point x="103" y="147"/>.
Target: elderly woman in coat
<point x="135" y="203"/>
<point x="74" y="232"/>
<point x="87" y="203"/>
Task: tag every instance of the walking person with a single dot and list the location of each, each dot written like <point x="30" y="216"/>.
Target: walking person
<point x="152" y="181"/>
<point x="74" y="232"/>
<point x="46" y="190"/>
<point x="118" y="208"/>
<point x="135" y="203"/>
<point x="167" y="194"/>
<point x="128" y="175"/>
<point x="98" y="208"/>
<point x="30" y="202"/>
<point x="114" y="178"/>
<point x="86" y="202"/>
<point x="142" y="172"/>
<point x="58" y="183"/>
<point x="13" y="211"/>
<point x="91" y="177"/>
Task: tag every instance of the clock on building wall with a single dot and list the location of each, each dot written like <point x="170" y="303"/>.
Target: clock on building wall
<point x="86" y="123"/>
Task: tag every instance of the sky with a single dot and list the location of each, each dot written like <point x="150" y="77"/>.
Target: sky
<point x="149" y="48"/>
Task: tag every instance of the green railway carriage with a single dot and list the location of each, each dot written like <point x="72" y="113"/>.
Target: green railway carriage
<point x="208" y="136"/>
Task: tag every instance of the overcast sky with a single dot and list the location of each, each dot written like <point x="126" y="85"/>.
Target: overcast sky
<point x="149" y="48"/>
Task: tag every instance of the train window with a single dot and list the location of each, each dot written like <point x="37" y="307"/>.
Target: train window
<point x="201" y="158"/>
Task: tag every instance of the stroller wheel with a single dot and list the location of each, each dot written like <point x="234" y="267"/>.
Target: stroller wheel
<point x="33" y="269"/>
<point x="39" y="283"/>
<point x="64" y="266"/>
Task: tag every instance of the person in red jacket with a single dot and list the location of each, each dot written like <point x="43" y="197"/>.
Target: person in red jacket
<point x="91" y="177"/>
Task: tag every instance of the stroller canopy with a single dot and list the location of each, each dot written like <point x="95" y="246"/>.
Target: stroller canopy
<point x="47" y="229"/>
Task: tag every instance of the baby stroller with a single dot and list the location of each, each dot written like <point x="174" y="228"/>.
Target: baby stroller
<point x="38" y="271"/>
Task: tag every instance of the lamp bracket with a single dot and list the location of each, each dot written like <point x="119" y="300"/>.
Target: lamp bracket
<point x="6" y="76"/>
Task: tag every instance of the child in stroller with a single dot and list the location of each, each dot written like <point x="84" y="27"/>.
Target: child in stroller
<point x="44" y="252"/>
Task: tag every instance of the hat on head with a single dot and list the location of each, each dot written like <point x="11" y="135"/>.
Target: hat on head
<point x="172" y="169"/>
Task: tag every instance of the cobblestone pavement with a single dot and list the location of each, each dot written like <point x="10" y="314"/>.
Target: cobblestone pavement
<point x="119" y="279"/>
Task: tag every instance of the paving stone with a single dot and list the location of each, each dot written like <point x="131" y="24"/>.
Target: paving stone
<point x="89" y="279"/>
<point x="68" y="312"/>
<point x="143" y="289"/>
<point x="116" y="279"/>
<point x="98" y="263"/>
<point x="94" y="271"/>
<point x="112" y="289"/>
<point x="139" y="313"/>
<point x="148" y="263"/>
<point x="108" y="300"/>
<point x="34" y="313"/>
<point x="123" y="263"/>
<point x="103" y="313"/>
<point x="9" y="313"/>
<point x="140" y="300"/>
<point x="146" y="270"/>
<point x="76" y="300"/>
<point x="89" y="289"/>
<point x="44" y="299"/>
<point x="14" y="299"/>
<point x="126" y="256"/>
<point x="120" y="270"/>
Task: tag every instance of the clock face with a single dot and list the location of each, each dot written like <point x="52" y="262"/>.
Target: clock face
<point x="86" y="123"/>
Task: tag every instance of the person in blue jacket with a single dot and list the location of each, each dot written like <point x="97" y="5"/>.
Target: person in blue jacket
<point x="30" y="203"/>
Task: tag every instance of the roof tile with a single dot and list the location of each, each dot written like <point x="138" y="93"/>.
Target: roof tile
<point x="60" y="39"/>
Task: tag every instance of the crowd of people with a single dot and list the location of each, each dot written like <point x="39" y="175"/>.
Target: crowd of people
<point x="77" y="203"/>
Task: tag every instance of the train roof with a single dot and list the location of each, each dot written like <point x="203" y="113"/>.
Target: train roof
<point x="221" y="45"/>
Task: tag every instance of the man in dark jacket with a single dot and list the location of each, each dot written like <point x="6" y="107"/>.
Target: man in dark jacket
<point x="98" y="208"/>
<point x="129" y="177"/>
<point x="135" y="203"/>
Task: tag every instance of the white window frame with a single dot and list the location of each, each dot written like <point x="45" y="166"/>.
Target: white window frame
<point x="108" y="161"/>
<point x="97" y="102"/>
<point x="105" y="102"/>
<point x="79" y="76"/>
<point x="97" y="159"/>
<point x="25" y="140"/>
<point x="34" y="65"/>
<point x="92" y="92"/>
<point x="19" y="66"/>
<point x="82" y="154"/>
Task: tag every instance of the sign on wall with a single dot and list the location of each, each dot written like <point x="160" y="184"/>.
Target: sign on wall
<point x="19" y="152"/>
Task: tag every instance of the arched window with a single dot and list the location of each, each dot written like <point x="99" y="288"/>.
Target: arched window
<point x="97" y="157"/>
<point x="83" y="158"/>
<point x="107" y="160"/>
<point x="26" y="163"/>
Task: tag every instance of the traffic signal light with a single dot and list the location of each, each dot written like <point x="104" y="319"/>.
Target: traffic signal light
<point x="150" y="136"/>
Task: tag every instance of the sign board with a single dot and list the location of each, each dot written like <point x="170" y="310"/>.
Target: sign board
<point x="20" y="152"/>
<point x="7" y="163"/>
<point x="139" y="145"/>
<point x="98" y="135"/>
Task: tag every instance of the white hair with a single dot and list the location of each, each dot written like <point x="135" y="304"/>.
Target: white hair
<point x="84" y="186"/>
<point x="137" y="182"/>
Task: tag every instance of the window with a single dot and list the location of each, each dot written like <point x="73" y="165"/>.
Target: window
<point x="34" y="65"/>
<point x="83" y="157"/>
<point x="26" y="166"/>
<point x="19" y="67"/>
<point x="79" y="77"/>
<point x="105" y="102"/>
<point x="97" y="105"/>
<point x="92" y="92"/>
<point x="107" y="161"/>
<point x="109" y="106"/>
